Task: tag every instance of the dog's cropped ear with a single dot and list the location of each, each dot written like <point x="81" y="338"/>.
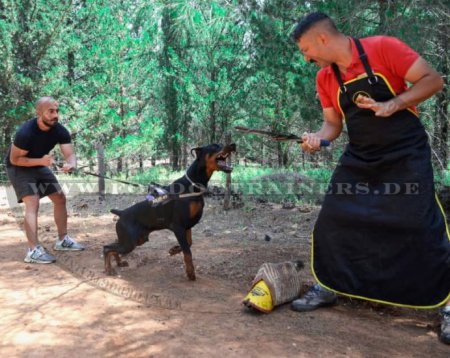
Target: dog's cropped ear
<point x="197" y="151"/>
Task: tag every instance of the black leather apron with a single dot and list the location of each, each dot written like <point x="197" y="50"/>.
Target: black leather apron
<point x="381" y="234"/>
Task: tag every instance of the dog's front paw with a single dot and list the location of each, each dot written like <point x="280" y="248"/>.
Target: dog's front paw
<point x="175" y="250"/>
<point x="191" y="275"/>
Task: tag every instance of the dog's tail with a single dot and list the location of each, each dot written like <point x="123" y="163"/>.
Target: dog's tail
<point x="117" y="212"/>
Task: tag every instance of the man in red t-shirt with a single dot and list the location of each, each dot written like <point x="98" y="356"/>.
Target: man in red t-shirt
<point x="369" y="241"/>
<point x="383" y="52"/>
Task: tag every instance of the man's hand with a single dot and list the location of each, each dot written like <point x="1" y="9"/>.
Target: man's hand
<point x="311" y="142"/>
<point x="381" y="109"/>
<point x="47" y="160"/>
<point x="70" y="158"/>
<point x="68" y="168"/>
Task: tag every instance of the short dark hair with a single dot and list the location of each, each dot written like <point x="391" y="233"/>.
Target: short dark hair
<point x="306" y="22"/>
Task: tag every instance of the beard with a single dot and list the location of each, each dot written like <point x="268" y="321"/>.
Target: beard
<point x="50" y="123"/>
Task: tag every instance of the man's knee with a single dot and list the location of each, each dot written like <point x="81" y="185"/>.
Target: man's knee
<point x="31" y="203"/>
<point x="58" y="198"/>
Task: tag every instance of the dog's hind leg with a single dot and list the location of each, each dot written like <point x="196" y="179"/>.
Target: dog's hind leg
<point x="119" y="261"/>
<point x="177" y="248"/>
<point x="184" y="238"/>
<point x="108" y="252"/>
<point x="127" y="241"/>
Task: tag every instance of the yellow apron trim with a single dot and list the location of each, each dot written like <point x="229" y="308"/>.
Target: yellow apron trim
<point x="365" y="76"/>
<point x="339" y="104"/>
<point x="443" y="215"/>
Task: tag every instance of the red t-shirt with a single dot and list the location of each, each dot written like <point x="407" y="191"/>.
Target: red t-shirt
<point x="387" y="55"/>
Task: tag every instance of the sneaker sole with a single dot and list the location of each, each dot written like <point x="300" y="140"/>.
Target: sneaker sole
<point x="33" y="261"/>
<point x="66" y="249"/>
<point x="307" y="308"/>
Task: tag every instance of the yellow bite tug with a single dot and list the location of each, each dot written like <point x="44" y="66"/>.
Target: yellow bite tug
<point x="274" y="284"/>
<point x="259" y="297"/>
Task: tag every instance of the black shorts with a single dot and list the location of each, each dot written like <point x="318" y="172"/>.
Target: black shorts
<point x="32" y="181"/>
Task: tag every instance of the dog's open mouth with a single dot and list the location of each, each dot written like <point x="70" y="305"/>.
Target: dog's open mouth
<point x="222" y="164"/>
<point x="221" y="158"/>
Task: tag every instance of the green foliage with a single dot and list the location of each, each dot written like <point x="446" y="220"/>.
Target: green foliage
<point x="260" y="183"/>
<point x="442" y="179"/>
<point x="150" y="80"/>
<point x="159" y="174"/>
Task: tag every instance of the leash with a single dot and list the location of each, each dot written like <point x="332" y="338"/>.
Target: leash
<point x="165" y="195"/>
<point x="179" y="196"/>
<point x="194" y="184"/>
<point x="137" y="185"/>
<point x="78" y="171"/>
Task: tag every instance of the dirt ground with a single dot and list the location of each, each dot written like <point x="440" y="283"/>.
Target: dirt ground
<point x="71" y="309"/>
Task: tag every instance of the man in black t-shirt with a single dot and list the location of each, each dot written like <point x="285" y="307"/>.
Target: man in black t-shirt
<point x="27" y="165"/>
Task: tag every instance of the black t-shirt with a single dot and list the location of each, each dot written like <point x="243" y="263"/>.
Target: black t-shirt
<point x="37" y="142"/>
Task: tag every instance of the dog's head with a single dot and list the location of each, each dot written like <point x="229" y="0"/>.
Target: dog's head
<point x="213" y="157"/>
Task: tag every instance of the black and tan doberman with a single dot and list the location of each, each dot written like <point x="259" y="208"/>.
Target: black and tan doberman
<point x="181" y="209"/>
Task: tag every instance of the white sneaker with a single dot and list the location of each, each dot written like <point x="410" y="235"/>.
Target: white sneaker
<point x="67" y="244"/>
<point x="39" y="256"/>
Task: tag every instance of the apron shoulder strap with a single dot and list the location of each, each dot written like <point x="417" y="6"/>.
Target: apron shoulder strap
<point x="372" y="79"/>
<point x="365" y="61"/>
<point x="338" y="76"/>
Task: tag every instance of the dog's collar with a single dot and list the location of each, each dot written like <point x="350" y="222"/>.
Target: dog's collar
<point x="202" y="188"/>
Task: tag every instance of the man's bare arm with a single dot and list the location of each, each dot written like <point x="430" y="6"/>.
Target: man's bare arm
<point x="69" y="156"/>
<point x="425" y="83"/>
<point x="331" y="129"/>
<point x="18" y="157"/>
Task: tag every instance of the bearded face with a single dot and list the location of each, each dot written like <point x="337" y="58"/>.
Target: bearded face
<point x="48" y="113"/>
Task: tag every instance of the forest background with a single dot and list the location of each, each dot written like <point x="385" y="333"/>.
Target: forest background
<point x="149" y="80"/>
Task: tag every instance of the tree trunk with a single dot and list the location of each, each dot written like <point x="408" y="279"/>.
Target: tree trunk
<point x="141" y="163"/>
<point x="184" y="154"/>
<point x="213" y="111"/>
<point x="101" y="170"/>
<point x="175" y="157"/>
<point x="279" y="155"/>
<point x="212" y="122"/>
<point x="170" y="91"/>
<point x="226" y="199"/>
<point x="70" y="56"/>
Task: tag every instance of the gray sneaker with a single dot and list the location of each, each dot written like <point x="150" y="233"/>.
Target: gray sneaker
<point x="68" y="244"/>
<point x="444" y="336"/>
<point x="315" y="297"/>
<point x="39" y="256"/>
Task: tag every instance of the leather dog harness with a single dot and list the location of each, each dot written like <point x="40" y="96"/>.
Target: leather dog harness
<point x="157" y="195"/>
